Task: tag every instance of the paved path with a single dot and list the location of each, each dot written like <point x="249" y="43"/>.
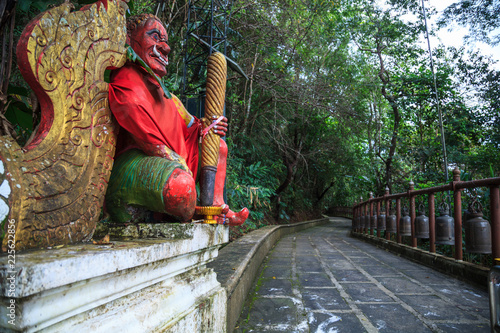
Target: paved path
<point x="321" y="280"/>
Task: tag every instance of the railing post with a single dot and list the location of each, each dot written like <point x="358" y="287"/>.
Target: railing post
<point x="432" y="224"/>
<point x="362" y="215"/>
<point x="495" y="223"/>
<point x="356" y="215"/>
<point x="413" y="214"/>
<point x="457" y="212"/>
<point x="378" y="214"/>
<point x="365" y="229"/>
<point x="387" y="234"/>
<point x="398" y="217"/>
<point x="371" y="212"/>
<point x="353" y="224"/>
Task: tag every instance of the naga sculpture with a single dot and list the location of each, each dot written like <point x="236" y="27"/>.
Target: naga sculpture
<point x="55" y="185"/>
<point x="53" y="189"/>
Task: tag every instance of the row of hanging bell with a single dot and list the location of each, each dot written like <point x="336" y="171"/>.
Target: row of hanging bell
<point x="477" y="229"/>
<point x="444" y="225"/>
<point x="371" y="222"/>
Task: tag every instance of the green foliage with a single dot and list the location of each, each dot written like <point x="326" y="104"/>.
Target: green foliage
<point x="480" y="16"/>
<point x="18" y="112"/>
<point x="38" y="5"/>
<point x="249" y="186"/>
<point x="137" y="7"/>
<point x="19" y="108"/>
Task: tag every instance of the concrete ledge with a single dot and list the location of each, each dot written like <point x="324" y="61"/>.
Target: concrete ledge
<point x="144" y="285"/>
<point x="238" y="263"/>
<point x="462" y="270"/>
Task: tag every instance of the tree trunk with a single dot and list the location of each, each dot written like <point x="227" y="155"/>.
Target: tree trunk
<point x="320" y="197"/>
<point x="244" y="121"/>
<point x="7" y="21"/>
<point x="384" y="77"/>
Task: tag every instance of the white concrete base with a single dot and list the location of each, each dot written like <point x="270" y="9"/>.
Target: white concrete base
<point x="149" y="285"/>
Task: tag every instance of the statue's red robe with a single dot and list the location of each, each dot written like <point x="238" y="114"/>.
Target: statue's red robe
<point x="141" y="108"/>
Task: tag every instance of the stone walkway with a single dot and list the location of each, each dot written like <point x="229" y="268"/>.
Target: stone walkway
<point x="321" y="280"/>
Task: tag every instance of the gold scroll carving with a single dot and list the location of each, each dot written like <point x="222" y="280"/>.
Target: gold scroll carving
<point x="57" y="183"/>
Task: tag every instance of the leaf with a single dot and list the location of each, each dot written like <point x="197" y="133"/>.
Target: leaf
<point x="41" y="5"/>
<point x="107" y="74"/>
<point x="18" y="113"/>
<point x="16" y="90"/>
<point x="131" y="55"/>
<point x="24" y="5"/>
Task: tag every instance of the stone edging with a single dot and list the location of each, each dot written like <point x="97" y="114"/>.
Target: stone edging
<point x="462" y="270"/>
<point x="238" y="263"/>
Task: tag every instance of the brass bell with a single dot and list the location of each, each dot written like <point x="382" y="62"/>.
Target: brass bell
<point x="445" y="226"/>
<point x="477" y="233"/>
<point x="405" y="223"/>
<point x="391" y="223"/>
<point x="373" y="221"/>
<point x="421" y="224"/>
<point x="381" y="221"/>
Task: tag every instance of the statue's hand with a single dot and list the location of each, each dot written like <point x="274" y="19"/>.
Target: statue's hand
<point x="221" y="128"/>
<point x="217" y="124"/>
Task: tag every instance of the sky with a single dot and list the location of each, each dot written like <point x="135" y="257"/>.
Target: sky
<point x="455" y="37"/>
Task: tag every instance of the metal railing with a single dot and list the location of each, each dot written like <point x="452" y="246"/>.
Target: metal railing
<point x="366" y="210"/>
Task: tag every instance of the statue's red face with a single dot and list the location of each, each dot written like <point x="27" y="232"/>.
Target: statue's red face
<point x="150" y="43"/>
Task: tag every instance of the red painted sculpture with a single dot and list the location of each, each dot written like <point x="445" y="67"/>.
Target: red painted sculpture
<point x="157" y="152"/>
